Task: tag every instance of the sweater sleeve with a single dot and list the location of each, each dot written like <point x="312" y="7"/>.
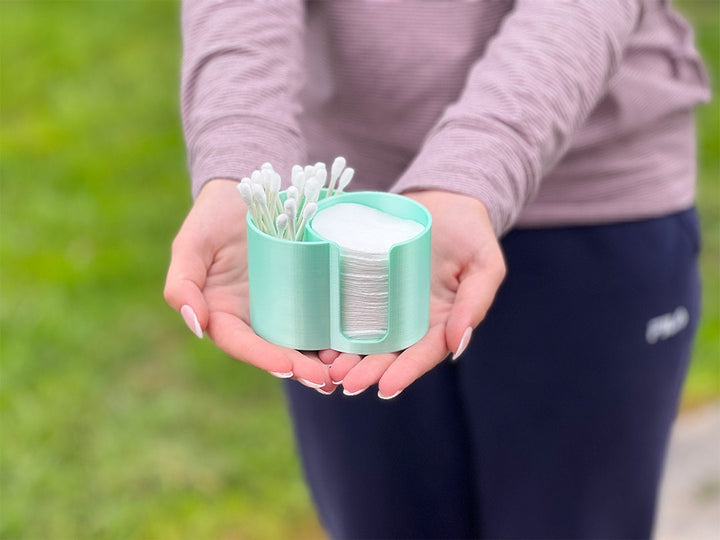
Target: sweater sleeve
<point x="536" y="83"/>
<point x="241" y="74"/>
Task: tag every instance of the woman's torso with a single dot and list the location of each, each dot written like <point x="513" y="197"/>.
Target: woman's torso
<point x="379" y="75"/>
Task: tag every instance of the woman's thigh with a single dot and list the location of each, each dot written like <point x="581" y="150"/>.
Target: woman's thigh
<point x="388" y="469"/>
<point x="571" y="384"/>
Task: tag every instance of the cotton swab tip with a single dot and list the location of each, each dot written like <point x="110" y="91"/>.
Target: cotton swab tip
<point x="290" y="207"/>
<point x="245" y="193"/>
<point x="298" y="179"/>
<point x="259" y="194"/>
<point x="337" y="167"/>
<point x="275" y="182"/>
<point x="309" y="211"/>
<point x="293" y="193"/>
<point x="345" y="178"/>
<point x="312" y="189"/>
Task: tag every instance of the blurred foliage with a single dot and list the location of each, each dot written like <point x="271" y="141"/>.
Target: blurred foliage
<point x="704" y="377"/>
<point x="116" y="422"/>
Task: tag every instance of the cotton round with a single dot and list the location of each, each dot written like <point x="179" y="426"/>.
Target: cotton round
<point x="365" y="236"/>
<point x="360" y="228"/>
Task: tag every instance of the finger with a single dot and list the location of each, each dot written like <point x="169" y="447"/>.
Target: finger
<point x="329" y="387"/>
<point x="185" y="280"/>
<point x="328" y="356"/>
<point x="414" y="362"/>
<point x="308" y="369"/>
<point x="342" y="364"/>
<point x="367" y="372"/>
<point x="238" y="340"/>
<point x="473" y="299"/>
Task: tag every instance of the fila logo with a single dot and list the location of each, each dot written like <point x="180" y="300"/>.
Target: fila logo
<point x="666" y="326"/>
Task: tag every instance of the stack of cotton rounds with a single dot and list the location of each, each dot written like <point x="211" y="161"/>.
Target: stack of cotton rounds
<point x="365" y="236"/>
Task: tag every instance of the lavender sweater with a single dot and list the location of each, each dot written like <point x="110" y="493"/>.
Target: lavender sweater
<point x="549" y="111"/>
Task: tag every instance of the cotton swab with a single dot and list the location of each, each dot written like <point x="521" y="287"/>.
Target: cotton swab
<point x="275" y="183"/>
<point x="312" y="190"/>
<point x="345" y="179"/>
<point x="339" y="163"/>
<point x="290" y="210"/>
<point x="281" y="223"/>
<point x="246" y="194"/>
<point x="307" y="215"/>
<point x="246" y="191"/>
<point x="335" y="171"/>
<point x="259" y="195"/>
<point x="321" y="175"/>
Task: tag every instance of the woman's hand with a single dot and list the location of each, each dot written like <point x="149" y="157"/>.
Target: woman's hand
<point x="467" y="269"/>
<point x="208" y="283"/>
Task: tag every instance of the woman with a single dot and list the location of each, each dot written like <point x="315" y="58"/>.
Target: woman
<point x="551" y="139"/>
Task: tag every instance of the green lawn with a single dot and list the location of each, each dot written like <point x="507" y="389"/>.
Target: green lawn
<point x="116" y="422"/>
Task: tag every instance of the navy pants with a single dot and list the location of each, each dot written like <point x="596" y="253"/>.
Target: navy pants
<point x="554" y="422"/>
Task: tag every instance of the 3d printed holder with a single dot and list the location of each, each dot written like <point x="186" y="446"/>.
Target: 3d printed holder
<point x="295" y="287"/>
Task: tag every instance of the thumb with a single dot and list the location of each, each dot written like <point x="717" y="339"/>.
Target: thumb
<point x="476" y="291"/>
<point x="185" y="280"/>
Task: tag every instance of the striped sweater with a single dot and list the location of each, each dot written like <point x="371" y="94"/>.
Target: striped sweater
<point x="551" y="112"/>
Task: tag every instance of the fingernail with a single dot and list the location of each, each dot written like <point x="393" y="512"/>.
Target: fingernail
<point x="310" y="384"/>
<point x="396" y="394"/>
<point x="463" y="343"/>
<point x="347" y="393"/>
<point x="325" y="392"/>
<point x="282" y="375"/>
<point x="337" y="382"/>
<point x="191" y="320"/>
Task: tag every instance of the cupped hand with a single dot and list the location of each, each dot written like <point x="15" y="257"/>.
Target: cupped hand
<point x="467" y="268"/>
<point x="207" y="282"/>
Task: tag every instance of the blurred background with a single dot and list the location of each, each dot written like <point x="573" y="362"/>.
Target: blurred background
<point x="115" y="420"/>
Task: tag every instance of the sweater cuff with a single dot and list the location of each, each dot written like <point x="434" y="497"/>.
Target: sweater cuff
<point x="233" y="148"/>
<point x="469" y="161"/>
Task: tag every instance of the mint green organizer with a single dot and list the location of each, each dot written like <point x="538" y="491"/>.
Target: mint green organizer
<point x="295" y="287"/>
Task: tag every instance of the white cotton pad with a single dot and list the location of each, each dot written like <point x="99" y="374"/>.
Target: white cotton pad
<point x="360" y="228"/>
<point x="365" y="236"/>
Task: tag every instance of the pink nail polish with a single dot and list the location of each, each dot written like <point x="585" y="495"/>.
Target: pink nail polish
<point x="463" y="343"/>
<point x="396" y="394"/>
<point x="191" y="320"/>
<point x="347" y="393"/>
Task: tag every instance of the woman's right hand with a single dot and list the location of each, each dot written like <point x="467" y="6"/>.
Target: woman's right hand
<point x="207" y="282"/>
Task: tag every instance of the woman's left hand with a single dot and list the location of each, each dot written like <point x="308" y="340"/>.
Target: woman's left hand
<point x="466" y="270"/>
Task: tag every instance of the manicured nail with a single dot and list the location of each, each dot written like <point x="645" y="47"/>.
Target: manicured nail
<point x="337" y="382"/>
<point x="310" y="384"/>
<point x="282" y="375"/>
<point x="191" y="320"/>
<point x="463" y="343"/>
<point x="347" y="393"/>
<point x="396" y="394"/>
<point x="325" y="392"/>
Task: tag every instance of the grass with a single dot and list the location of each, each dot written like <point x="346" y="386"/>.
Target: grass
<point x="116" y="422"/>
<point x="703" y="380"/>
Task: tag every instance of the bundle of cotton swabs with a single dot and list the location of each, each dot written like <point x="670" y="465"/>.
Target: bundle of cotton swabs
<point x="288" y="219"/>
